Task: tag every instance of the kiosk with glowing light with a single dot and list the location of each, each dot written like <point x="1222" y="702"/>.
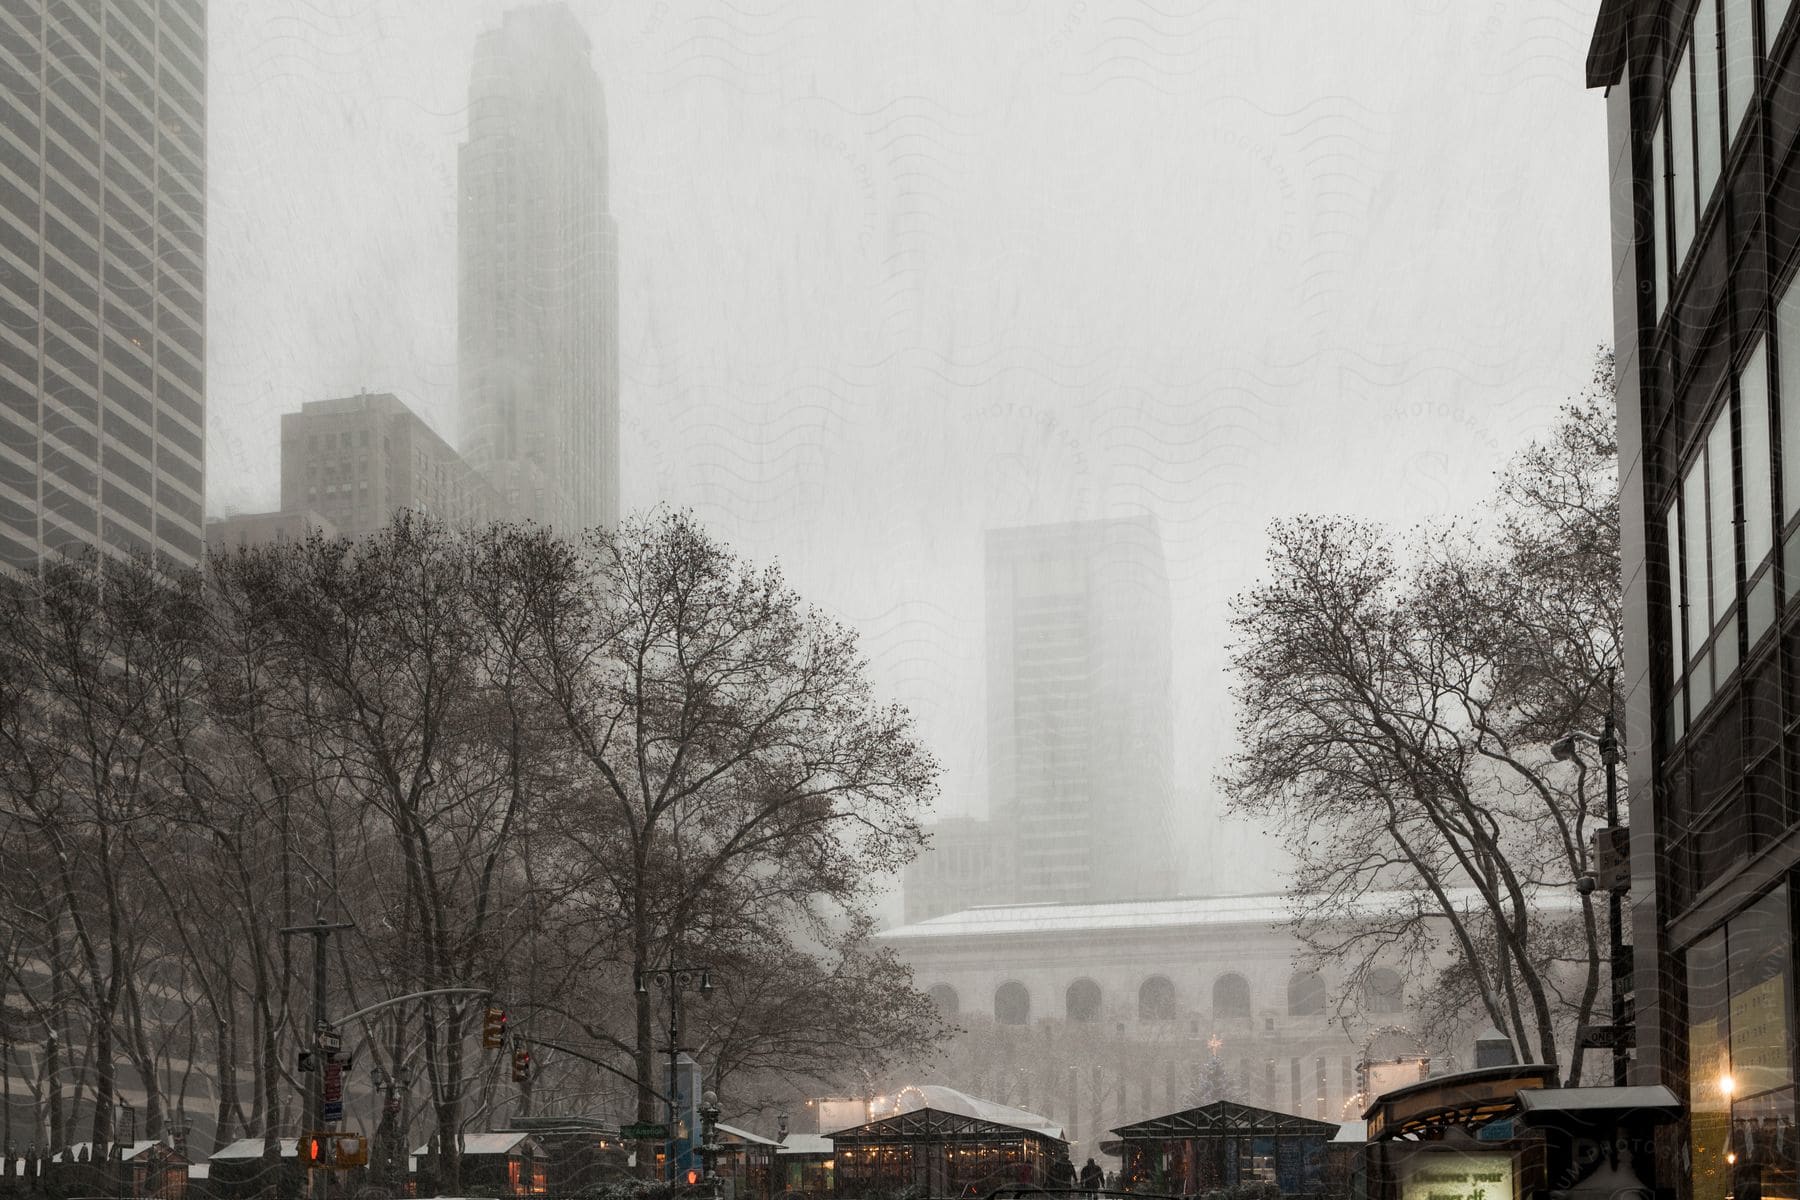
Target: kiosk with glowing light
<point x="946" y="1144"/>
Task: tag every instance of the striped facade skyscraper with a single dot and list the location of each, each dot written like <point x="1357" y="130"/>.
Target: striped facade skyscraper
<point x="538" y="285"/>
<point x="102" y="278"/>
<point x="1080" y="719"/>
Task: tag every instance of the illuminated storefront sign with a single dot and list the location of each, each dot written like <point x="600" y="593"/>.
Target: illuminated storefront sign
<point x="1454" y="1175"/>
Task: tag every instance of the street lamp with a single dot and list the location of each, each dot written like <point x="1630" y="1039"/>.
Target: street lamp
<point x="675" y="980"/>
<point x="1564" y="749"/>
<point x="709" y="1146"/>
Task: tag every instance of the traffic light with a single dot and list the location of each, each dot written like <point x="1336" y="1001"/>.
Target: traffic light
<point x="521" y="1066"/>
<point x="318" y="1150"/>
<point x="693" y="1177"/>
<point x="493" y="1028"/>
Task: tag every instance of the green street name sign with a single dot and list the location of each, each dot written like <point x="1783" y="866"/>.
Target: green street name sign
<point x="644" y="1133"/>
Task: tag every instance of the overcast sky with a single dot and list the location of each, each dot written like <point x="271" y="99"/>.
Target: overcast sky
<point x="895" y="272"/>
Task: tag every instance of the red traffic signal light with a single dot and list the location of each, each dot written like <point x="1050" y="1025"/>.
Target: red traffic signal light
<point x="318" y="1151"/>
<point x="521" y="1066"/>
<point x="693" y="1177"/>
<point x="493" y="1028"/>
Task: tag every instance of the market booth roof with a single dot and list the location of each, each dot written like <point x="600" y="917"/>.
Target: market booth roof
<point x="1466" y="1100"/>
<point x="936" y="1125"/>
<point x="1224" y="1118"/>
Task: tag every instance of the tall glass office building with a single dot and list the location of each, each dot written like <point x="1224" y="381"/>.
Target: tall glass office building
<point x="1703" y="103"/>
<point x="102" y="278"/>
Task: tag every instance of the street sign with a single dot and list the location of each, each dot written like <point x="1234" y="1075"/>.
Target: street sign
<point x="330" y="1039"/>
<point x="331" y="1110"/>
<point x="644" y="1133"/>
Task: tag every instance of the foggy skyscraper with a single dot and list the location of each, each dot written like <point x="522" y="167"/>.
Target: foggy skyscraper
<point x="538" y="285"/>
<point x="103" y="279"/>
<point x="1079" y="717"/>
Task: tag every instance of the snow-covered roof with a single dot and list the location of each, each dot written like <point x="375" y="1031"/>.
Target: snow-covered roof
<point x="245" y="1148"/>
<point x="504" y="1142"/>
<point x="74" y="1151"/>
<point x="1351" y="1131"/>
<point x="805" y="1143"/>
<point x="744" y="1135"/>
<point x="1170" y="914"/>
<point x="199" y="1171"/>
<point x="916" y="1096"/>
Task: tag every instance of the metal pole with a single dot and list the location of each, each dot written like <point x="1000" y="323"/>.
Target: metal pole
<point x="315" y="1079"/>
<point x="674" y="1068"/>
<point x="1615" y="934"/>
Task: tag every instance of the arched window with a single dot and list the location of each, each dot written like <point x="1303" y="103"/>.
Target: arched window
<point x="1383" y="992"/>
<point x="944" y="996"/>
<point x="1082" y="1001"/>
<point x="1156" y="1000"/>
<point x="1231" y="998"/>
<point x="1306" y="994"/>
<point x="1012" y="1004"/>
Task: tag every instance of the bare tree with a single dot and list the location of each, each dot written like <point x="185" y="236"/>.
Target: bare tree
<point x="734" y="775"/>
<point x="1394" y="717"/>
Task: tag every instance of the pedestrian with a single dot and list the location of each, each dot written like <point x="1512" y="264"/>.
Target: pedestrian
<point x="1062" y="1173"/>
<point x="1092" y="1177"/>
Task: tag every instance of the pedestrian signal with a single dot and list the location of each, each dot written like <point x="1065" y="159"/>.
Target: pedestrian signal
<point x="693" y="1177"/>
<point x="521" y="1066"/>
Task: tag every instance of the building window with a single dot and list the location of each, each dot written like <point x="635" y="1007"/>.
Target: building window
<point x="1306" y="994"/>
<point x="1383" y="991"/>
<point x="1681" y="157"/>
<point x="1231" y="998"/>
<point x="1156" y="1000"/>
<point x="944" y="996"/>
<point x="1775" y="12"/>
<point x="1082" y="1001"/>
<point x="1677" y="660"/>
<point x="1708" y="562"/>
<point x="1012" y="1004"/>
<point x="1707" y="116"/>
<point x="1661" y="266"/>
<point x="1740" y="64"/>
<point x="1787" y="390"/>
<point x="1758" y="484"/>
<point x="1740" y="1048"/>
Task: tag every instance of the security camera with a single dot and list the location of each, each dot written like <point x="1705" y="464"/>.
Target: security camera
<point x="1586" y="885"/>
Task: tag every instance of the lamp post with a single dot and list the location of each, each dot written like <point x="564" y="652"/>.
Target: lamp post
<point x="675" y="980"/>
<point x="709" y="1146"/>
<point x="1618" y="964"/>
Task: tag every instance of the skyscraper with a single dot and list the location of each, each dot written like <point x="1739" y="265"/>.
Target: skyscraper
<point x="1079" y="718"/>
<point x="1702" y="100"/>
<point x="102" y="278"/>
<point x="357" y="460"/>
<point x="538" y="285"/>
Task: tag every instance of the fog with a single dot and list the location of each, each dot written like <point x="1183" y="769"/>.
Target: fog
<point x="895" y="274"/>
